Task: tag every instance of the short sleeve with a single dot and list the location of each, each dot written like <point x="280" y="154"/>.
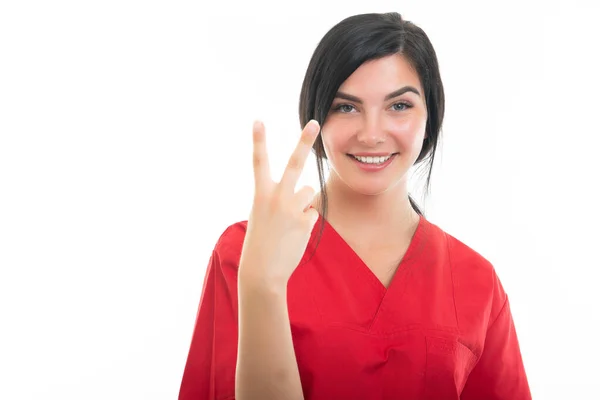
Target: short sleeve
<point x="209" y="372"/>
<point x="499" y="373"/>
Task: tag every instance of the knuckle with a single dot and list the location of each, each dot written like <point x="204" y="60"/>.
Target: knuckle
<point x="256" y="160"/>
<point x="307" y="140"/>
<point x="306" y="192"/>
<point x="309" y="190"/>
<point x="260" y="197"/>
<point x="278" y="203"/>
<point x="294" y="163"/>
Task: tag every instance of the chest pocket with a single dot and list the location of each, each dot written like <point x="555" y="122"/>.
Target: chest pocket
<point x="447" y="367"/>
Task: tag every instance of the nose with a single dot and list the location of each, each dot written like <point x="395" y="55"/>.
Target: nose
<point x="371" y="133"/>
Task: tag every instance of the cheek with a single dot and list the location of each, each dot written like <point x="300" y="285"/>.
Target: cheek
<point x="338" y="133"/>
<point x="331" y="145"/>
<point x="335" y="137"/>
<point x="409" y="127"/>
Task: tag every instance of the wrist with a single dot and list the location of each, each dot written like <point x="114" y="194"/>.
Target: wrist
<point x="261" y="286"/>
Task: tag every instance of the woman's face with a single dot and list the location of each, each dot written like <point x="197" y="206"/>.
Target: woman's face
<point x="379" y="112"/>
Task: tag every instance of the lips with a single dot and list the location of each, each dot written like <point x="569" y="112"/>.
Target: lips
<point x="381" y="154"/>
<point x="372" y="160"/>
<point x="371" y="166"/>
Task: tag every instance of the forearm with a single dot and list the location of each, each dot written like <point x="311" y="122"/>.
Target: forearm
<point x="266" y="363"/>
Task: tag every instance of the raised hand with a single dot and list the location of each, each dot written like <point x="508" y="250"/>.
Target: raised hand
<point x="281" y="220"/>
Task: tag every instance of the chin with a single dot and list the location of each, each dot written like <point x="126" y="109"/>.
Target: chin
<point x="357" y="183"/>
<point x="370" y="188"/>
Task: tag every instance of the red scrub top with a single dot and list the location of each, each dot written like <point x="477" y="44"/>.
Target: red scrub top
<point x="441" y="330"/>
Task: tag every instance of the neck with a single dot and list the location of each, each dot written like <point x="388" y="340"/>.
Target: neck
<point x="380" y="218"/>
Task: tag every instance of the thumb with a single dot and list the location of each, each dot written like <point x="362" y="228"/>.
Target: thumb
<point x="312" y="216"/>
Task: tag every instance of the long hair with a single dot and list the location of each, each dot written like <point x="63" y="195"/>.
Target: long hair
<point x="344" y="48"/>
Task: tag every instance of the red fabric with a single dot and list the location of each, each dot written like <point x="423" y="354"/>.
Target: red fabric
<point x="442" y="330"/>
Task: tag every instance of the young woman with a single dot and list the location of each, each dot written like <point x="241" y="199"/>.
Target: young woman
<point x="353" y="293"/>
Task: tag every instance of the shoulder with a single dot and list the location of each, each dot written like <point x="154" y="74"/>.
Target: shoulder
<point x="474" y="276"/>
<point x="228" y="247"/>
<point x="232" y="237"/>
<point x="461" y="257"/>
<point x="464" y="257"/>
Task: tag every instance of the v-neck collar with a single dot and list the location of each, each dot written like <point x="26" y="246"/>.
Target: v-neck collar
<point x="402" y="267"/>
<point x="346" y="291"/>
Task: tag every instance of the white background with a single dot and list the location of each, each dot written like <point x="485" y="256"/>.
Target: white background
<point x="125" y="151"/>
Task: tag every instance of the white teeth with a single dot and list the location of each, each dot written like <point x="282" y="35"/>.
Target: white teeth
<point x="372" y="160"/>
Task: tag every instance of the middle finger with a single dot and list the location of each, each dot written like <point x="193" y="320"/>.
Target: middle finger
<point x="297" y="160"/>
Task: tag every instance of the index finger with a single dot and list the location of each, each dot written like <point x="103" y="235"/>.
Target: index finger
<point x="298" y="159"/>
<point x="260" y="159"/>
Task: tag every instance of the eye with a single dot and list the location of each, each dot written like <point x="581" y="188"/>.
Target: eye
<point x="401" y="106"/>
<point x="343" y="108"/>
<point x="347" y="108"/>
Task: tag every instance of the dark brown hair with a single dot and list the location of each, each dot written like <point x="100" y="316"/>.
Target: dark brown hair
<point x="343" y="49"/>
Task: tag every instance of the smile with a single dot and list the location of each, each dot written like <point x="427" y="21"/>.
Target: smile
<point x="372" y="163"/>
<point x="372" y="160"/>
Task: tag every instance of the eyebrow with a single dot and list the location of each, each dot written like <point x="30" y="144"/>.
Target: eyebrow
<point x="396" y="93"/>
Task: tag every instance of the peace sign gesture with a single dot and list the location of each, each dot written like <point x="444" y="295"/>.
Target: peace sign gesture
<point x="281" y="221"/>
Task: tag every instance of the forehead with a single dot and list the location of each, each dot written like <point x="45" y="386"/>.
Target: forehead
<point x="382" y="75"/>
